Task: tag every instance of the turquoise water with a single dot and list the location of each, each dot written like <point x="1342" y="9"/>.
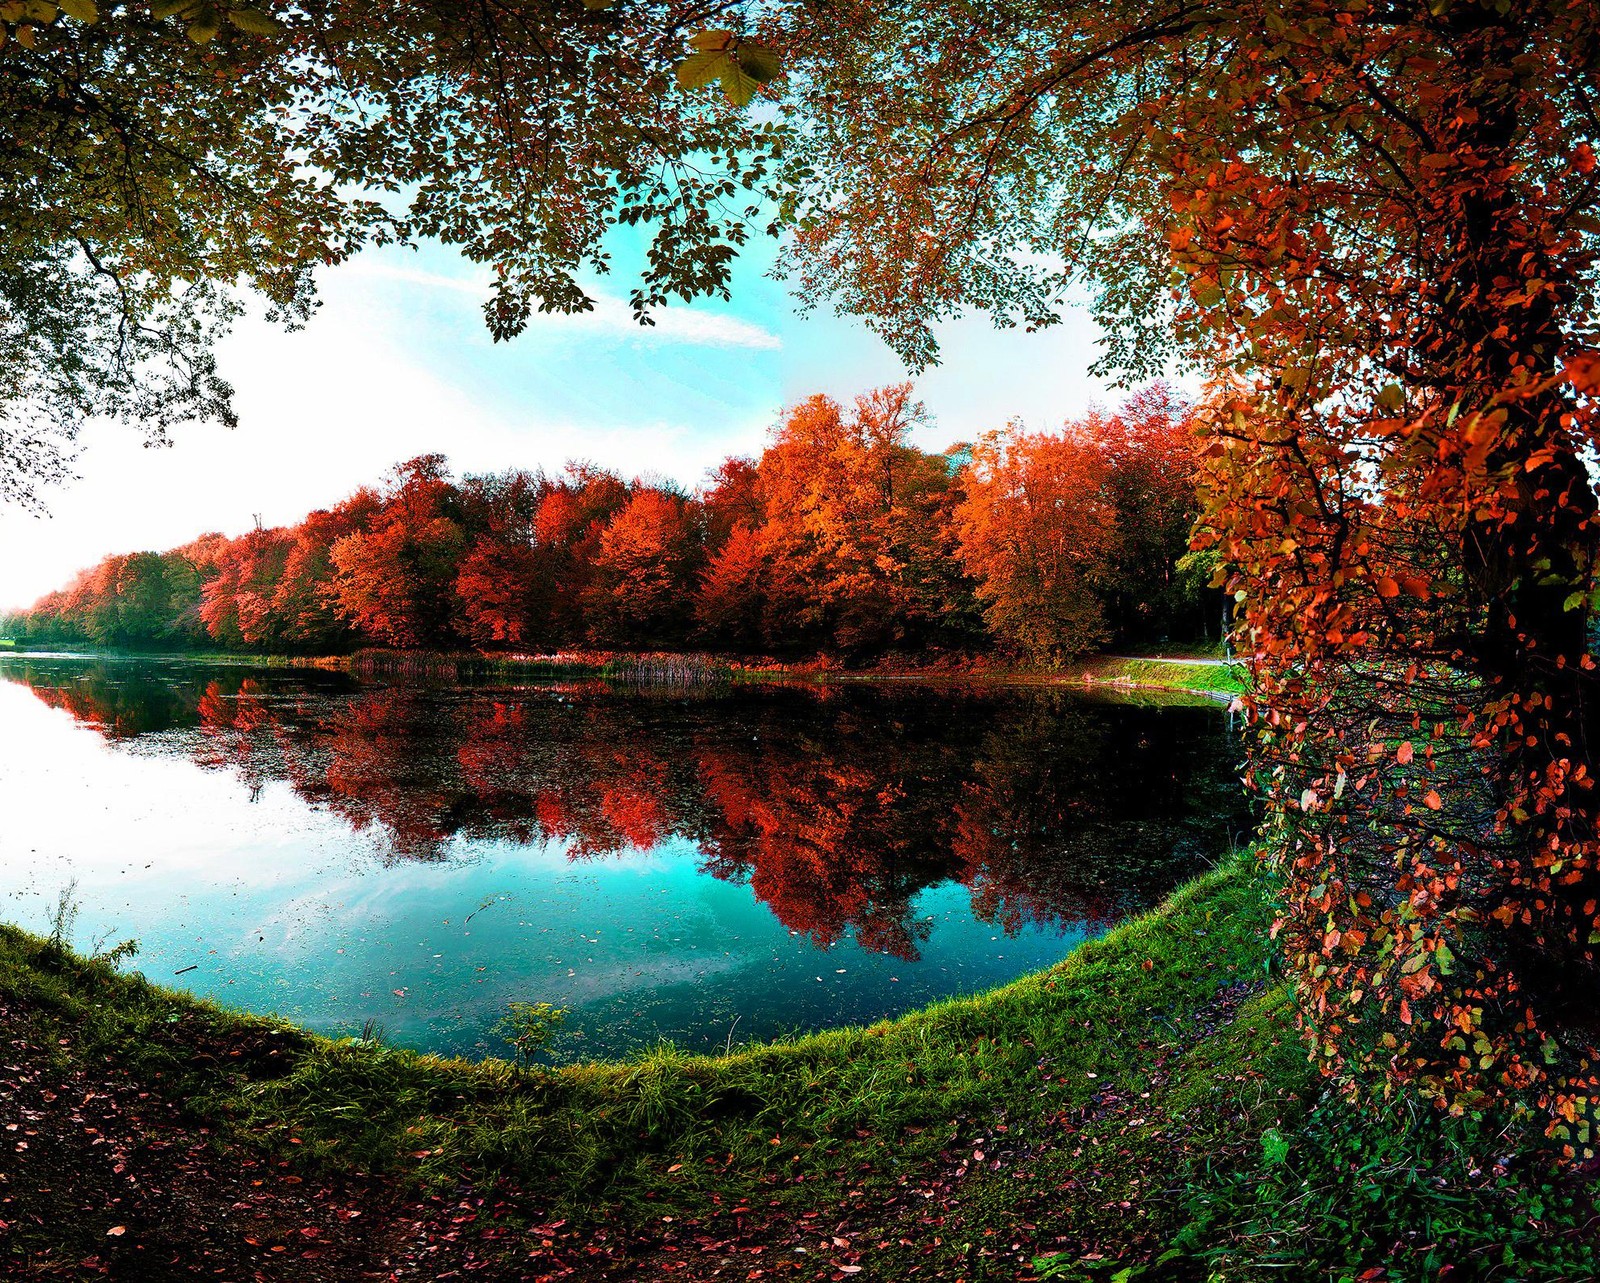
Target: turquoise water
<point x="708" y="868"/>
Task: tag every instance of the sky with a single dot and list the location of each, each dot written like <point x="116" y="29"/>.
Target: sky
<point x="397" y="362"/>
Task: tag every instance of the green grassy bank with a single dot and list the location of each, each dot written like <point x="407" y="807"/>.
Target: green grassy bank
<point x="1194" y="674"/>
<point x="1143" y="1108"/>
<point x="1176" y="673"/>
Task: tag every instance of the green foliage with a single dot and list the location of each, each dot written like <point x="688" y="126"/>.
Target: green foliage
<point x="741" y="66"/>
<point x="64" y="919"/>
<point x="603" y="1135"/>
<point x="1419" y="1195"/>
<point x="1162" y="673"/>
<point x="212" y="149"/>
<point x="528" y="1028"/>
<point x="1210" y="1166"/>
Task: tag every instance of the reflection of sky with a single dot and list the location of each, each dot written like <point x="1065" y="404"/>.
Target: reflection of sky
<point x="279" y="907"/>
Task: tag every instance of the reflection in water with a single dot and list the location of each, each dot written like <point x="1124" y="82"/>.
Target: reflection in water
<point x="849" y="811"/>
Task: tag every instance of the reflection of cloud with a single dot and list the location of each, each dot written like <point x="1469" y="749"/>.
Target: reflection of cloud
<point x="602" y="979"/>
<point x="610" y="315"/>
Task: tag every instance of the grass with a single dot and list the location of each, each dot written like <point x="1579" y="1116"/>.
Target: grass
<point x="1163" y="674"/>
<point x="693" y="669"/>
<point x="1144" y="1107"/>
<point x="603" y="1133"/>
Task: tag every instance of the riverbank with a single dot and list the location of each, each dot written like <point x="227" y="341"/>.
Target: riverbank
<point x="1190" y="674"/>
<point x="1142" y="1108"/>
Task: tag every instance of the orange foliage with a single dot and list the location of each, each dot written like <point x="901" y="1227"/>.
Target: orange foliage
<point x="841" y="538"/>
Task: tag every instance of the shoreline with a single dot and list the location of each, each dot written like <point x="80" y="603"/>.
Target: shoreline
<point x="1142" y="1109"/>
<point x="1178" y="673"/>
<point x="664" y="1139"/>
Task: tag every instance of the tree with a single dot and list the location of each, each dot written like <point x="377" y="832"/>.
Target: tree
<point x="154" y="163"/>
<point x="644" y="571"/>
<point x="1382" y="219"/>
<point x="394" y="581"/>
<point x="850" y="534"/>
<point x="1149" y="447"/>
<point x="305" y="600"/>
<point x="731" y="602"/>
<point x="494" y="587"/>
<point x="1037" y="526"/>
<point x="237" y="599"/>
<point x="567" y="531"/>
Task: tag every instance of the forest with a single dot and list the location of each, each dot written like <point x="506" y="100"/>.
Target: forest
<point x="1368" y="230"/>
<point x="842" y="539"/>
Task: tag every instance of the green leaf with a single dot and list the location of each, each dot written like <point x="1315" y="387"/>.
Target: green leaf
<point x="82" y="10"/>
<point x="700" y="69"/>
<point x="717" y="39"/>
<point x="203" y="30"/>
<point x="166" y="8"/>
<point x="738" y="84"/>
<point x="1392" y="398"/>
<point x="598" y="4"/>
<point x="255" y="22"/>
<point x="1207" y="293"/>
<point x="761" y="63"/>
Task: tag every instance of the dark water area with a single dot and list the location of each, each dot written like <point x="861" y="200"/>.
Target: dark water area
<point x="709" y="866"/>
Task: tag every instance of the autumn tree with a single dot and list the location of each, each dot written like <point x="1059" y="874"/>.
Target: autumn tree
<point x="305" y="600"/>
<point x="731" y="602"/>
<point x="393" y="581"/>
<point x="494" y="586"/>
<point x="1149" y="444"/>
<point x="644" y="572"/>
<point x="568" y="528"/>
<point x="237" y="598"/>
<point x="853" y="553"/>
<point x="1382" y="222"/>
<point x="1037" y="525"/>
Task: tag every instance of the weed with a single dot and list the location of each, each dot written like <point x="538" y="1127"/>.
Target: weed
<point x="528" y="1027"/>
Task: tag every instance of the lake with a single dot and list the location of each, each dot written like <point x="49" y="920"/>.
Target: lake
<point x="709" y="866"/>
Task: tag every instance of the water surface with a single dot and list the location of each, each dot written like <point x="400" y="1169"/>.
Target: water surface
<point x="709" y="867"/>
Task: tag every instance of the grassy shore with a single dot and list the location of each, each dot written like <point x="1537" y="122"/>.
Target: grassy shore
<point x="1202" y="675"/>
<point x="1144" y="1107"/>
<point x="1197" y="675"/>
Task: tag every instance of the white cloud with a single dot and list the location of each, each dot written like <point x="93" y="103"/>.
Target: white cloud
<point x="611" y="316"/>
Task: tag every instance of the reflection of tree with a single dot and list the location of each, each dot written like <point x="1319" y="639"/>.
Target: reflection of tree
<point x="836" y="807"/>
<point x="827" y="834"/>
<point x="1146" y="799"/>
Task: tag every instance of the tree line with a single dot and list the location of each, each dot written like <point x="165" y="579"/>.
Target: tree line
<point x="842" y="538"/>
